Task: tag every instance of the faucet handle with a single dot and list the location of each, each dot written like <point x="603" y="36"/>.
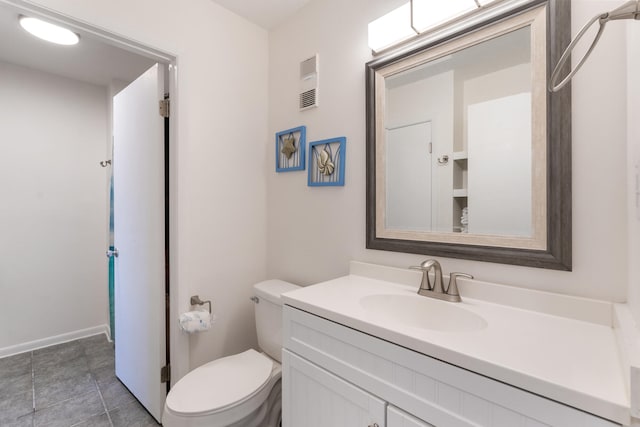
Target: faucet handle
<point x="452" y="289"/>
<point x="426" y="282"/>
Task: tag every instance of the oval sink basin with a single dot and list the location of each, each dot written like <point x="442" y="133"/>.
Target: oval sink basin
<point x="421" y="312"/>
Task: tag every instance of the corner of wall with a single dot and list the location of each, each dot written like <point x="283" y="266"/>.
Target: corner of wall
<point x="633" y="167"/>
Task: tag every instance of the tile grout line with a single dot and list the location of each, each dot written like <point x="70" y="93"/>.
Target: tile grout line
<point x="59" y="402"/>
<point x="33" y="391"/>
<point x="33" y="384"/>
<point x="103" y="403"/>
<point x="95" y="382"/>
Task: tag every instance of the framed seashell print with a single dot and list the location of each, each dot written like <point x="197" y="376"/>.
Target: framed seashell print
<point x="290" y="149"/>
<point x="326" y="162"/>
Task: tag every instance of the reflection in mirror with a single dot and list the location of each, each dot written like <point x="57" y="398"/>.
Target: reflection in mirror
<point x="458" y="141"/>
<point x="463" y="141"/>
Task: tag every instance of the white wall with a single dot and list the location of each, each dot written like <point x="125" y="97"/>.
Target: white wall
<point x="633" y="165"/>
<point x="53" y="272"/>
<point x="218" y="245"/>
<point x="314" y="232"/>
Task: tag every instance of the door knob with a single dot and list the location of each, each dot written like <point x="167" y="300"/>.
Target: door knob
<point x="112" y="253"/>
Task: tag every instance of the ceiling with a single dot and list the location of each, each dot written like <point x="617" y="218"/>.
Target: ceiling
<point x="94" y="61"/>
<point x="91" y="60"/>
<point x="265" y="13"/>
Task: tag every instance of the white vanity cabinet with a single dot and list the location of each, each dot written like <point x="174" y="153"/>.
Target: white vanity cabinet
<point x="317" y="398"/>
<point x="337" y="376"/>
<point x="399" y="418"/>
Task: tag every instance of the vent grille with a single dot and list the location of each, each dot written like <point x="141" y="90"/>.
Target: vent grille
<point x="308" y="83"/>
<point x="308" y="99"/>
<point x="308" y="67"/>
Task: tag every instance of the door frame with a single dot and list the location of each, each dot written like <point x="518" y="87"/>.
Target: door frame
<point x="178" y="343"/>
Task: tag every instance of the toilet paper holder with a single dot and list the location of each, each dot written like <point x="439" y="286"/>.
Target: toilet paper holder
<point x="195" y="300"/>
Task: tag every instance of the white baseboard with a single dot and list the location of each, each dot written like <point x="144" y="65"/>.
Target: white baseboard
<point x="57" y="339"/>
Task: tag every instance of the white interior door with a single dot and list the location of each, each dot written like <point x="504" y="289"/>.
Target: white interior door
<point x="408" y="177"/>
<point x="139" y="236"/>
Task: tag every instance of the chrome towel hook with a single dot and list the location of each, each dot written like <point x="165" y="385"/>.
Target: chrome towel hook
<point x="629" y="10"/>
<point x="105" y="163"/>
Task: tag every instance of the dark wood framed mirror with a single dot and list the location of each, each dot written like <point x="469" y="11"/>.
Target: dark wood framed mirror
<point x="468" y="153"/>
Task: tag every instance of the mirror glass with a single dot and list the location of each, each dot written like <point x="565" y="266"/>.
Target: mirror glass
<point x="458" y="141"/>
<point x="459" y="145"/>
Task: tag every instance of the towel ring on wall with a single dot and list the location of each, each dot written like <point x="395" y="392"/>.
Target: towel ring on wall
<point x="629" y="10"/>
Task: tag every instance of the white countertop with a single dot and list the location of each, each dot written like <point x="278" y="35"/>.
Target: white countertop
<point x="573" y="361"/>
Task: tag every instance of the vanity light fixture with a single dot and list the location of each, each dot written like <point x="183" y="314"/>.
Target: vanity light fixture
<point x="428" y="14"/>
<point x="391" y="29"/>
<point x="417" y="17"/>
<point x="48" y="31"/>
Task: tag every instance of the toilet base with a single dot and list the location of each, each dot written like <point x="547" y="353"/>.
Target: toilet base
<point x="268" y="414"/>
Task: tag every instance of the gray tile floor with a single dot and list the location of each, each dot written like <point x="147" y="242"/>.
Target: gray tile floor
<point x="71" y="384"/>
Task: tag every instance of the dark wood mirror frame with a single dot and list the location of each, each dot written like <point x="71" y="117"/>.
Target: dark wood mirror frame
<point x="557" y="255"/>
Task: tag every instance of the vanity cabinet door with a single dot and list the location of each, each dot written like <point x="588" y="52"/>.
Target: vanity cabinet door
<point x="398" y="418"/>
<point x="313" y="397"/>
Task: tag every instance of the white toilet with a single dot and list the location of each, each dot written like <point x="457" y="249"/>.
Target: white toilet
<point x="243" y="390"/>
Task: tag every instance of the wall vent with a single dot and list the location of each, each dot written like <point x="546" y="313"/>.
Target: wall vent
<point x="308" y="99"/>
<point x="309" y="83"/>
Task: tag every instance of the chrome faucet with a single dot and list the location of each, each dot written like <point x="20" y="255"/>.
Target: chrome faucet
<point x="426" y="285"/>
<point x="437" y="290"/>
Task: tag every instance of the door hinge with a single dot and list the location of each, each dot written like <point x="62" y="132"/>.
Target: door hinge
<point x="164" y="108"/>
<point x="113" y="253"/>
<point x="165" y="374"/>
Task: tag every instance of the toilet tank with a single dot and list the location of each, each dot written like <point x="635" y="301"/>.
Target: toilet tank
<point x="268" y="310"/>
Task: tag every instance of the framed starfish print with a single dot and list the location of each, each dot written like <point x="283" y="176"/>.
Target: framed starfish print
<point x="290" y="149"/>
<point x="326" y="162"/>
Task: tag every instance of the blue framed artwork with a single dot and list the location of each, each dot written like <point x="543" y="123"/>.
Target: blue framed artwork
<point x="290" y="149"/>
<point x="326" y="162"/>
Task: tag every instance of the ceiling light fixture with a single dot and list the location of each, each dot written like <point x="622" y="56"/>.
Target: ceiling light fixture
<point x="49" y="32"/>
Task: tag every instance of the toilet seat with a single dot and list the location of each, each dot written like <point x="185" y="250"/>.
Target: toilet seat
<point x="220" y="384"/>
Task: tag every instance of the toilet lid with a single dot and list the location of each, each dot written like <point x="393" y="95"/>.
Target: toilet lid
<point x="220" y="383"/>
